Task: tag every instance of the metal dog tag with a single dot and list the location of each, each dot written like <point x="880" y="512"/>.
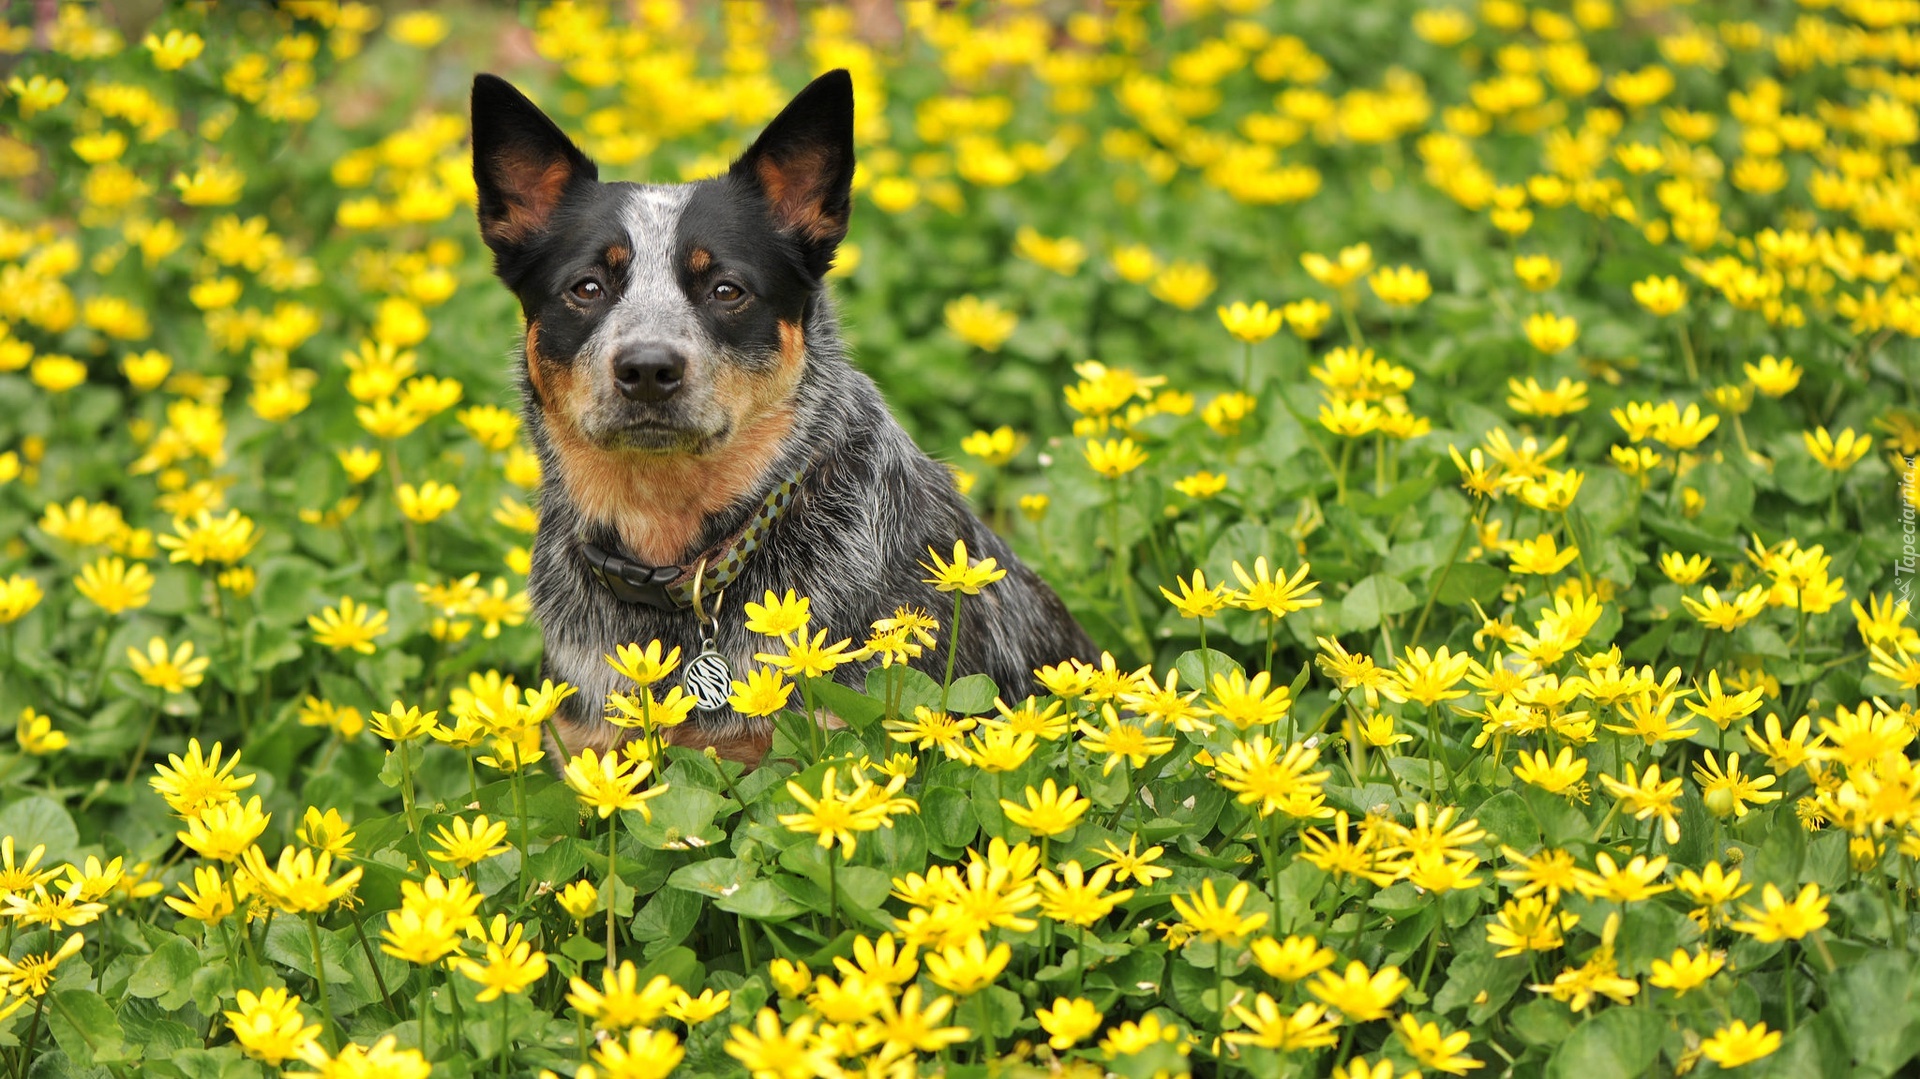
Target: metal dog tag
<point x="709" y="678"/>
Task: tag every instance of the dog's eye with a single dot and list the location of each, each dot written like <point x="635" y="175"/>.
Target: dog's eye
<point x="727" y="292"/>
<point x="587" y="290"/>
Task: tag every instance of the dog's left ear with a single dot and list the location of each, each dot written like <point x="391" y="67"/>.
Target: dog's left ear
<point x="803" y="165"/>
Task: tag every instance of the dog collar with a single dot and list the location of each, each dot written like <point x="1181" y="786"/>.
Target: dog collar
<point x="671" y="588"/>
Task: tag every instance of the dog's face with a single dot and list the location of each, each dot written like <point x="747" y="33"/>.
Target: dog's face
<point x="663" y="320"/>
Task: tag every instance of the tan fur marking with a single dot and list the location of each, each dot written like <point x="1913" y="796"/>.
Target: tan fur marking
<point x="536" y="363"/>
<point x="746" y="747"/>
<point x="795" y="189"/>
<point x="618" y="256"/>
<point x="793" y="344"/>
<point x="659" y="504"/>
<point x="533" y="189"/>
<point x="700" y="260"/>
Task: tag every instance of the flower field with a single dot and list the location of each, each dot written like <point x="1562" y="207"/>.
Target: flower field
<point x="1481" y="434"/>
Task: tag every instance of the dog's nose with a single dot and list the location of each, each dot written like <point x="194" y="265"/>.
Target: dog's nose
<point x="649" y="373"/>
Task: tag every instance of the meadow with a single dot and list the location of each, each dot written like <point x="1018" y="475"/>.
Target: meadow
<point x="1481" y="435"/>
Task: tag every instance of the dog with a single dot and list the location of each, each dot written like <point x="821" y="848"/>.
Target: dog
<point x="700" y="429"/>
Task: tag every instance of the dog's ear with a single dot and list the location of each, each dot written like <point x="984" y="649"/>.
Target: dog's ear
<point x="803" y="165"/>
<point x="523" y="163"/>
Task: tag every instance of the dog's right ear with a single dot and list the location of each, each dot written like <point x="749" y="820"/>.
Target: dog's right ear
<point x="523" y="163"/>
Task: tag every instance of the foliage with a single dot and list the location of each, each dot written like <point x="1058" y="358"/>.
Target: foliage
<point x="1481" y="694"/>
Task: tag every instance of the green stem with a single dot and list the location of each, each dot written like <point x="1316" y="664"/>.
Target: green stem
<point x="613" y="874"/>
<point x="1459" y="541"/>
<point x="833" y="895"/>
<point x="986" y="1029"/>
<point x="505" y="1046"/>
<point x="320" y="975"/>
<point x="1079" y="958"/>
<point x="953" y="648"/>
<point x="366" y="949"/>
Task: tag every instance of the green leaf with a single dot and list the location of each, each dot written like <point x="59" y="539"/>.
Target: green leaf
<point x="971" y="696"/>
<point x="1469" y="581"/>
<point x="1509" y="821"/>
<point x="714" y="878"/>
<point x="762" y="900"/>
<point x="857" y="709"/>
<point x="666" y="919"/>
<point x="1873" y="1000"/>
<point x="1620" y="1043"/>
<point x="948" y="816"/>
<point x="682" y="819"/>
<point x="167" y="974"/>
<point x="1195" y="665"/>
<point x="1374" y="599"/>
<point x="37" y="820"/>
<point x="86" y="1028"/>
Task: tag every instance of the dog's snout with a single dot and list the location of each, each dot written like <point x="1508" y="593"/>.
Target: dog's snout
<point x="650" y="373"/>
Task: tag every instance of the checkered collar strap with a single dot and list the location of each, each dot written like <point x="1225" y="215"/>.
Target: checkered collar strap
<point x="671" y="588"/>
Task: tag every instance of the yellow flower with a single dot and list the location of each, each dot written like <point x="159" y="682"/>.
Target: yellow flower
<point x="1342" y="271"/>
<point x="36" y="735"/>
<point x="1538" y="272"/>
<point x="1063" y="256"/>
<point x="1774" y="376"/>
<point x="1196" y="598"/>
<point x="1360" y="995"/>
<point x="208" y="899"/>
<point x="1726" y="614"/>
<point x="1276" y="596"/>
<point x="773" y="1051"/>
<point x="1736" y="1044"/>
<point x="511" y="966"/>
<point x="1551" y="333"/>
<point x="1837" y="454"/>
<point x="171" y="53"/>
<point x="1214" y="919"/>
<point x="764" y="692"/>
<point x="175" y="673"/>
<point x="1048" y="811"/>
<point x="1114" y="458"/>
<point x="983" y="324"/>
<point x="646" y="666"/>
<point x="1727" y="792"/>
<point x="969" y="967"/>
<point x="1252" y="324"/>
<point x="1135" y="263"/>
<point x="350" y="625"/>
<point x="960" y="575"/>
<point x="1201" y="485"/>
<point x="1068" y="1022"/>
<point x="427" y="502"/>
<point x="1307" y="317"/>
<point x="1553" y="776"/>
<point x="1685" y="569"/>
<point x="1529" y="398"/>
<point x="1183" y="284"/>
<point x="36" y="94"/>
<point x="268" y="1025"/>
<point x="419" y="29"/>
<point x="1433" y="1049"/>
<point x="56" y="373"/>
<point x="1401" y="286"/>
<point x="114" y="587"/>
<point x="211" y="184"/>
<point x="146" y="370"/>
<point x="1540" y="555"/>
<point x="297" y="883"/>
<point x="606" y="783"/>
<point x="465" y="843"/>
<point x="1684" y="972"/>
<point x="996" y="447"/>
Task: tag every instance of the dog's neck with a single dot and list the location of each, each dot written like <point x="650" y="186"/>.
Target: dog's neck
<point x="665" y="508"/>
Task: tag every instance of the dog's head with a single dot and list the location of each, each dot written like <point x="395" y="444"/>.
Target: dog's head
<point x="663" y="320"/>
